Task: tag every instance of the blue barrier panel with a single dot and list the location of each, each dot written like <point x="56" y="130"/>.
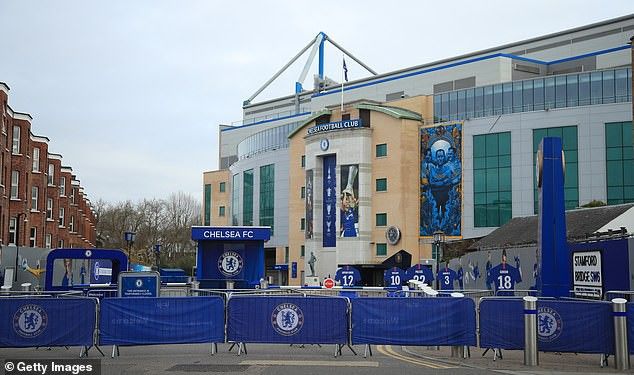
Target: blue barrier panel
<point x="290" y="320"/>
<point x="630" y="327"/>
<point x="413" y="321"/>
<point x="562" y="326"/>
<point x="502" y="324"/>
<point x="164" y="320"/>
<point x="47" y="322"/>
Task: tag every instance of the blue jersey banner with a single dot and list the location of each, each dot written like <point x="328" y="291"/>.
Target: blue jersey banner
<point x="391" y="321"/>
<point x="441" y="179"/>
<point x="348" y="276"/>
<point x="504" y="277"/>
<point x="47" y="322"/>
<point x="393" y="277"/>
<point x="287" y="320"/>
<point x="446" y="278"/>
<point x="421" y="273"/>
<point x="349" y="201"/>
<point x="146" y="321"/>
<point x="329" y="223"/>
<point x="562" y="326"/>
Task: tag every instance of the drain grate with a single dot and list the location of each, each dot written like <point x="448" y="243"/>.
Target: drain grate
<point x="209" y="368"/>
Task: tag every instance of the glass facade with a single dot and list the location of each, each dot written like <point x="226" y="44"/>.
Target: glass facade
<point x="381" y="220"/>
<point x="266" y="140"/>
<point x="570" y="90"/>
<point x="492" y="179"/>
<point x="222" y="187"/>
<point x="619" y="162"/>
<point x="235" y="200"/>
<point x="568" y="135"/>
<point x="381" y="184"/>
<point x="247" y="197"/>
<point x="381" y="150"/>
<point x="267" y="195"/>
<point x="207" y="218"/>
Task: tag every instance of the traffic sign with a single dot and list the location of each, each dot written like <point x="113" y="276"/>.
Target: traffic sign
<point x="329" y="283"/>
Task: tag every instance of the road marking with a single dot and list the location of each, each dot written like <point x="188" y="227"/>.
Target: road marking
<point x="264" y="362"/>
<point x="389" y="351"/>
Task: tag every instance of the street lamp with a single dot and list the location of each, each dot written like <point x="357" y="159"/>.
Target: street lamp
<point x="17" y="242"/>
<point x="439" y="240"/>
<point x="129" y="238"/>
<point x="157" y="254"/>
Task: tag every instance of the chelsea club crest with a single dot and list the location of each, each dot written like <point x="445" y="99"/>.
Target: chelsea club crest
<point x="549" y="324"/>
<point x="30" y="321"/>
<point x="230" y="263"/>
<point x="287" y="319"/>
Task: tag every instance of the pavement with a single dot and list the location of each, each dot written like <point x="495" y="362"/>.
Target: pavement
<point x="513" y="361"/>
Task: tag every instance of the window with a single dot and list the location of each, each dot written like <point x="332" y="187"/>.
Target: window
<point x="235" y="199"/>
<point x="302" y="224"/>
<point x="60" y="244"/>
<point x="381" y="184"/>
<point x="36" y="159"/>
<point x="221" y="211"/>
<point x="381" y="249"/>
<point x="49" y="208"/>
<point x="61" y="216"/>
<point x="619" y="162"/>
<point x="12" y="229"/>
<point x="247" y="198"/>
<point x="72" y="196"/>
<point x="51" y="174"/>
<point x="492" y="179"/>
<point x="48" y="241"/>
<point x="381" y="219"/>
<point x="302" y="192"/>
<point x="62" y="187"/>
<point x="381" y="150"/>
<point x="71" y="225"/>
<point x="303" y="161"/>
<point x="15" y="147"/>
<point x="286" y="254"/>
<point x="568" y="136"/>
<point x="35" y="192"/>
<point x="207" y="200"/>
<point x="15" y="182"/>
<point x="32" y="236"/>
<point x="302" y="251"/>
<point x="267" y="195"/>
<point x="1" y="168"/>
<point x="222" y="187"/>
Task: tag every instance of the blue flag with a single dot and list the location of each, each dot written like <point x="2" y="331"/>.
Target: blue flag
<point x="345" y="70"/>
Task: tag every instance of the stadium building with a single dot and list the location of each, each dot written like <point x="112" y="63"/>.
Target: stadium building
<point x="447" y="146"/>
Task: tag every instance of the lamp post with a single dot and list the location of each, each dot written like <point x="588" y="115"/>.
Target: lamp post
<point x="439" y="240"/>
<point x="157" y="254"/>
<point x="129" y="238"/>
<point x="17" y="242"/>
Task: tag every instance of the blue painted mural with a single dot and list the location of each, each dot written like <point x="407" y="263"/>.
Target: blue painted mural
<point x="441" y="180"/>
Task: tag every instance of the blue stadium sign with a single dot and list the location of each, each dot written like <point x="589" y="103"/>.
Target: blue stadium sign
<point x="231" y="233"/>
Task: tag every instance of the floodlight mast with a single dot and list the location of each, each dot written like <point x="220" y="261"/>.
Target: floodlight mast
<point x="317" y="45"/>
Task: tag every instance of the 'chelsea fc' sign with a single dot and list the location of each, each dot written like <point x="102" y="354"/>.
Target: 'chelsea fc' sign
<point x="339" y="125"/>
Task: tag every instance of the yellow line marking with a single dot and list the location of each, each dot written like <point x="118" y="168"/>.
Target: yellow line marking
<point x="387" y="350"/>
<point x="310" y="363"/>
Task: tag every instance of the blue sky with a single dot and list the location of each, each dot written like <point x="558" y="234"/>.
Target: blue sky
<point x="131" y="92"/>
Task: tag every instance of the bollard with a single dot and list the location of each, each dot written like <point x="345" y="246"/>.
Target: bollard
<point x="621" y="354"/>
<point x="230" y="284"/>
<point x="5" y="289"/>
<point x="26" y="287"/>
<point x="530" y="331"/>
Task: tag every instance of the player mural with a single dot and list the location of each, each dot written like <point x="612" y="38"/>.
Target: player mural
<point x="441" y="180"/>
<point x="349" y="201"/>
<point x="309" y="204"/>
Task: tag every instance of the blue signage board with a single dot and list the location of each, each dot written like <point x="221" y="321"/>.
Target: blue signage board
<point x="330" y="201"/>
<point x="100" y="271"/>
<point x="339" y="125"/>
<point x="139" y="284"/>
<point x="231" y="233"/>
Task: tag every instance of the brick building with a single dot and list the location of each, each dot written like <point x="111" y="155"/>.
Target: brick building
<point x="42" y="203"/>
